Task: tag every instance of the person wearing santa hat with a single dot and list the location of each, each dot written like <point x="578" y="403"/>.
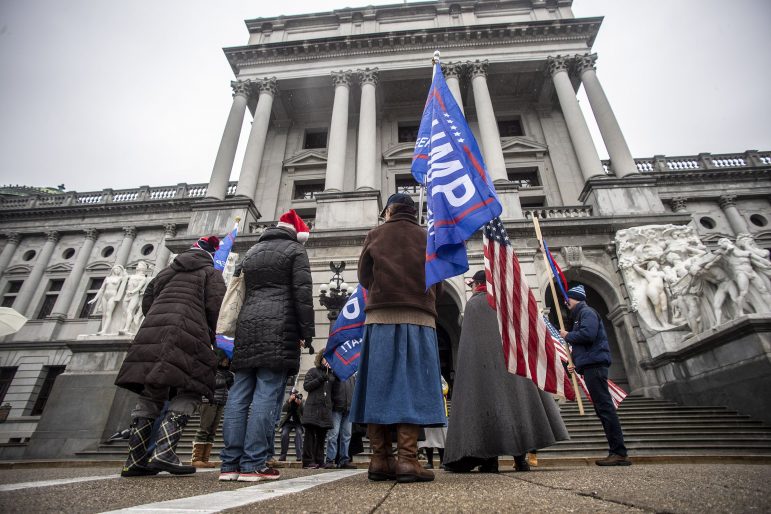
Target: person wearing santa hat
<point x="275" y="323"/>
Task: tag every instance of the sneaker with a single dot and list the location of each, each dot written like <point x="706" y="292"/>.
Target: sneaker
<point x="329" y="465"/>
<point x="347" y="465"/>
<point x="282" y="459"/>
<point x="614" y="460"/>
<point x="311" y="466"/>
<point x="269" y="474"/>
<point x="271" y="462"/>
<point x="252" y="476"/>
<point x="228" y="476"/>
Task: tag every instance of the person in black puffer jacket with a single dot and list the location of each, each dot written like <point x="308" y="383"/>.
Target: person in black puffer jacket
<point x="211" y="413"/>
<point x="275" y="322"/>
<point x="317" y="416"/>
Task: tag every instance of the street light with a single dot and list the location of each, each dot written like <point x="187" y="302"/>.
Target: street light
<point x="334" y="295"/>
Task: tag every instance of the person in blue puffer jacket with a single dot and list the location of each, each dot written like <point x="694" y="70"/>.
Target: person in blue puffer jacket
<point x="591" y="358"/>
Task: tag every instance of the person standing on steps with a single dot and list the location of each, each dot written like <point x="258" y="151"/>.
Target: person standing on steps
<point x="172" y="357"/>
<point x="292" y="420"/>
<point x="591" y="357"/>
<point x="211" y="413"/>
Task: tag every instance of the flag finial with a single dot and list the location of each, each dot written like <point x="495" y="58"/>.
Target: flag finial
<point x="435" y="58"/>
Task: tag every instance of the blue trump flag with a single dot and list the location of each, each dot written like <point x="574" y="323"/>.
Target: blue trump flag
<point x="344" y="344"/>
<point x="221" y="255"/>
<point x="460" y="195"/>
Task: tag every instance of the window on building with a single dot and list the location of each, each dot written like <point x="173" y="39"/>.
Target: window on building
<point x="93" y="287"/>
<point x="51" y="372"/>
<point x="6" y="377"/>
<point x="54" y="288"/>
<point x="307" y="190"/>
<point x="524" y="177"/>
<point x="315" y="138"/>
<point x="11" y="292"/>
<point x="408" y="132"/>
<point x="407" y="184"/>
<point x="510" y="128"/>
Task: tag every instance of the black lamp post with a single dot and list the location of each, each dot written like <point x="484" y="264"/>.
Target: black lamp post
<point x="334" y="295"/>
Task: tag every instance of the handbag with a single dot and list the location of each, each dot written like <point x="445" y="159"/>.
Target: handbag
<point x="231" y="306"/>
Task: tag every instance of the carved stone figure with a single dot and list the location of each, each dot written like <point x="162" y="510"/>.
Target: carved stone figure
<point x="707" y="269"/>
<point x="132" y="299"/>
<point x="758" y="256"/>
<point x="739" y="267"/>
<point x="654" y="289"/>
<point x="109" y="295"/>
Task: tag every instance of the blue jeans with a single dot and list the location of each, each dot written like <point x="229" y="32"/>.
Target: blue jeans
<point x="341" y="426"/>
<point x="597" y="385"/>
<point x="249" y="418"/>
<point x="276" y="419"/>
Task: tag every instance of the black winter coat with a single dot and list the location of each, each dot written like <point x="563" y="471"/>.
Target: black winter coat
<point x="173" y="347"/>
<point x="278" y="307"/>
<point x="318" y="406"/>
<point x="342" y="393"/>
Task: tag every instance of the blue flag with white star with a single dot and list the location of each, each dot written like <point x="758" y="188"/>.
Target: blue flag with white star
<point x="460" y="195"/>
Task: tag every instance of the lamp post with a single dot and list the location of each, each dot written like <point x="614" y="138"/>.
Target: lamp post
<point x="334" y="295"/>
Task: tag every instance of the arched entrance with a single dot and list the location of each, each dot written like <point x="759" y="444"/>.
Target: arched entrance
<point x="617" y="372"/>
<point x="448" y="331"/>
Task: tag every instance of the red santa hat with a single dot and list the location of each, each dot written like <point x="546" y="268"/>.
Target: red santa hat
<point x="293" y="221"/>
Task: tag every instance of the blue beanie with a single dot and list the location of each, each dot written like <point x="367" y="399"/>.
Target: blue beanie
<point x="577" y="293"/>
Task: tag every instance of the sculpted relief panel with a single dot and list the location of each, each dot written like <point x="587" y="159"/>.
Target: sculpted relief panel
<point x="119" y="300"/>
<point x="674" y="281"/>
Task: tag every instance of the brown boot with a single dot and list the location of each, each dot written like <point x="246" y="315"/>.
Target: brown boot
<point x="206" y="454"/>
<point x="408" y="469"/>
<point x="614" y="460"/>
<point x="382" y="464"/>
<point x="198" y="455"/>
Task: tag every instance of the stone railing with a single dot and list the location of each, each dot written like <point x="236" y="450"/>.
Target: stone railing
<point x="703" y="161"/>
<point x="143" y="193"/>
<point x="570" y="211"/>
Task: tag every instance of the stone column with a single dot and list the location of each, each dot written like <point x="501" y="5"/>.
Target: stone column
<point x="129" y="234"/>
<point x="735" y="219"/>
<point x="63" y="302"/>
<point x="367" y="176"/>
<point x="255" y="147"/>
<point x="488" y="127"/>
<point x="588" y="159"/>
<point x="452" y="73"/>
<point x="679" y="204"/>
<point x="621" y="159"/>
<point x="33" y="281"/>
<point x="162" y="257"/>
<point x="338" y="132"/>
<point x="9" y="249"/>
<point x="223" y="163"/>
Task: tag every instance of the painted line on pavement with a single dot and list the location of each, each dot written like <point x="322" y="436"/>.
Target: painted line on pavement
<point x="232" y="498"/>
<point x="65" y="481"/>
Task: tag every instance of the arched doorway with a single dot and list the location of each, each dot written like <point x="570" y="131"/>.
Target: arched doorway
<point x="617" y="372"/>
<point x="448" y="332"/>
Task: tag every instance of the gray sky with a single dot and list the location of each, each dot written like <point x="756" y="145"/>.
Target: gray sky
<point x="98" y="94"/>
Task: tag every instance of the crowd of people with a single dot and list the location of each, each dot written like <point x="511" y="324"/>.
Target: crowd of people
<point x="398" y="391"/>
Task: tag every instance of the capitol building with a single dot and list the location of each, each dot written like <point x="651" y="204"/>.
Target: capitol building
<point x="673" y="250"/>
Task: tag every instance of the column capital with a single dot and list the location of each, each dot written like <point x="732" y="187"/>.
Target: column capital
<point x="266" y="85"/>
<point x="52" y="236"/>
<point x="170" y="229"/>
<point x="91" y="233"/>
<point x="368" y="76"/>
<point x="453" y="70"/>
<point x="558" y="63"/>
<point x="585" y="62"/>
<point x="478" y="68"/>
<point x="13" y="237"/>
<point x="728" y="200"/>
<point x="241" y="87"/>
<point x="341" y="78"/>
<point x="130" y="232"/>
<point x="679" y="203"/>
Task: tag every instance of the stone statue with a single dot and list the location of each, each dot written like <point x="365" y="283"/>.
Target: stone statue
<point x="109" y="295"/>
<point x="758" y="256"/>
<point x="739" y="267"/>
<point x="654" y="289"/>
<point x="132" y="300"/>
<point x="707" y="269"/>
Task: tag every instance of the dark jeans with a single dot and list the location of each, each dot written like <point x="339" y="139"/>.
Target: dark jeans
<point x="210" y="420"/>
<point x="313" y="446"/>
<point x="597" y="384"/>
<point x="298" y="440"/>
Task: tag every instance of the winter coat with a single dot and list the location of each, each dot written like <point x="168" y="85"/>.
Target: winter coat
<point x="342" y="393"/>
<point x="588" y="338"/>
<point x="318" y="406"/>
<point x="173" y="347"/>
<point x="292" y="413"/>
<point x="278" y="306"/>
<point x="223" y="381"/>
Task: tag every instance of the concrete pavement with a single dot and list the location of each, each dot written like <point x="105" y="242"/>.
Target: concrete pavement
<point x="642" y="487"/>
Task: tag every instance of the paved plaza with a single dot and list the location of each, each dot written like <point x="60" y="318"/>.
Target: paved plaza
<point x="555" y="488"/>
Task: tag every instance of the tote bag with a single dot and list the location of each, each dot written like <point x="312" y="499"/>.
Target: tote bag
<point x="231" y="307"/>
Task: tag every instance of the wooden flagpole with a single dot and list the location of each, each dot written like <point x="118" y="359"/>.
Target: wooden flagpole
<point x="559" y="311"/>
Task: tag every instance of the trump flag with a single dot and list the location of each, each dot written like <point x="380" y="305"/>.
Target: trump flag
<point x="344" y="344"/>
<point x="460" y="195"/>
<point x="221" y="255"/>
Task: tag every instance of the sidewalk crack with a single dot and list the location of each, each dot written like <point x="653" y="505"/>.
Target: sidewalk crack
<point x="385" y="497"/>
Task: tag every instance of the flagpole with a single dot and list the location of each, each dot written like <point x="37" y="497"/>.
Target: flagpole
<point x="434" y="60"/>
<point x="557" y="308"/>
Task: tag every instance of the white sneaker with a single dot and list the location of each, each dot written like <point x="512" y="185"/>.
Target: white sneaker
<point x="250" y="477"/>
<point x="229" y="476"/>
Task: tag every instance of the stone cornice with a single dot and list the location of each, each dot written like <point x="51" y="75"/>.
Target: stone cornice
<point x="421" y="40"/>
<point x="107" y="209"/>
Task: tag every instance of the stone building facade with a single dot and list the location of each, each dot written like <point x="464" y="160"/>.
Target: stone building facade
<point x="336" y="100"/>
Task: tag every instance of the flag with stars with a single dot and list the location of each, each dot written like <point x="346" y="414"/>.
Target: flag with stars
<point x="528" y="347"/>
<point x="460" y="195"/>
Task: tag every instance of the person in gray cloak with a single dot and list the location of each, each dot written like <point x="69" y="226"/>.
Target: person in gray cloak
<point x="493" y="411"/>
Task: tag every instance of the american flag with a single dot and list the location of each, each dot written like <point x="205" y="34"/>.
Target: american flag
<point x="528" y="348"/>
<point x="616" y="393"/>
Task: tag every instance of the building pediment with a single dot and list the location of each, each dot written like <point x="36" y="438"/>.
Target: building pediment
<point x="19" y="269"/>
<point x="59" y="268"/>
<point x="99" y="266"/>
<point x="399" y="153"/>
<point x="306" y="159"/>
<point x="518" y="146"/>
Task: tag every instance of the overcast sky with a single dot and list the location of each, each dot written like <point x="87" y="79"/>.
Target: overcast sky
<point x="97" y="94"/>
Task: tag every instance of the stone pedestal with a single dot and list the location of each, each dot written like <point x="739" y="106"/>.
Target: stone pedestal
<point x="611" y="196"/>
<point x="216" y="217"/>
<point x="357" y="209"/>
<point x="729" y="366"/>
<point x="508" y="194"/>
<point x="85" y="406"/>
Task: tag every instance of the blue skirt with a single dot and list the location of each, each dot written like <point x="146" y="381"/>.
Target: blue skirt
<point x="399" y="377"/>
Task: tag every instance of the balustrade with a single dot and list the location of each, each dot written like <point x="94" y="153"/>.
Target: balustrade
<point x="697" y="162"/>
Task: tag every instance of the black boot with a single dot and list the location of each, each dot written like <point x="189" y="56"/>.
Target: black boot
<point x="163" y="457"/>
<point x="520" y="463"/>
<point x="139" y="438"/>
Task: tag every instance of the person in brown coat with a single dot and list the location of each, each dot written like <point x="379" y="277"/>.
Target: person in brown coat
<point x="172" y="356"/>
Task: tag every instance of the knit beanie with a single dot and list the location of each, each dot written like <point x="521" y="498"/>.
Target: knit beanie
<point x="294" y="222"/>
<point x="577" y="293"/>
<point x="208" y="243"/>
